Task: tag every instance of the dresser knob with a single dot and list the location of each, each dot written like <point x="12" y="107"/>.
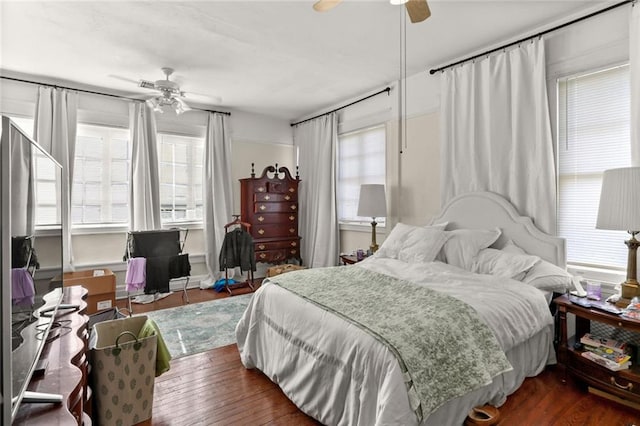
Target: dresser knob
<point x="293" y="207"/>
<point x="260" y="231"/>
<point x="286" y="197"/>
<point x="292" y="218"/>
<point x="262" y="255"/>
<point x="260" y="218"/>
<point x="263" y="207"/>
<point x="267" y="198"/>
<point x="292" y="190"/>
<point x="292" y="230"/>
<point x="261" y="189"/>
<point x="293" y="251"/>
<point x="261" y="246"/>
<point x="293" y="244"/>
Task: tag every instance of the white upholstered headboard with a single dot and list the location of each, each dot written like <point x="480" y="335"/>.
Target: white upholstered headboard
<point x="487" y="210"/>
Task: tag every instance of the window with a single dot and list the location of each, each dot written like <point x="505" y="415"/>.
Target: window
<point x="180" y="178"/>
<point x="594" y="135"/>
<point x="361" y="159"/>
<point x="100" y="193"/>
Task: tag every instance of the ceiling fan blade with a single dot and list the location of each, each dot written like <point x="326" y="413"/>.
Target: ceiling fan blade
<point x="418" y="10"/>
<point x="324" y="5"/>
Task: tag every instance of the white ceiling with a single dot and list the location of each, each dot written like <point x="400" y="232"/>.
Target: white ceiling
<point x="279" y="58"/>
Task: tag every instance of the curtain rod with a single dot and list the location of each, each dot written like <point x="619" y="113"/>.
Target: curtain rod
<point x="94" y="93"/>
<point x="540" y="34"/>
<point x="386" y="89"/>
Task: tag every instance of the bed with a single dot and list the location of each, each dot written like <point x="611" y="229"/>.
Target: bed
<point x="443" y="318"/>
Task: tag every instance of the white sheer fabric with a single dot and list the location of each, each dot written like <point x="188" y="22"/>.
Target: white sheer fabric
<point x="316" y="141"/>
<point x="217" y="188"/>
<point x="634" y="67"/>
<point x="496" y="133"/>
<point x="144" y="195"/>
<point x="55" y="130"/>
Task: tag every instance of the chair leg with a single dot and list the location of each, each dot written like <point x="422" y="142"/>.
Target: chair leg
<point x="185" y="296"/>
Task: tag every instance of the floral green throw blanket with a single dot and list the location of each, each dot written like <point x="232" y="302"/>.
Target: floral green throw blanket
<point x="443" y="347"/>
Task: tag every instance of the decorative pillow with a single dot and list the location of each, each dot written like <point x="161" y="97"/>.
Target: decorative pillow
<point x="547" y="276"/>
<point x="503" y="264"/>
<point x="463" y="245"/>
<point x="511" y="247"/>
<point x="422" y="245"/>
<point x="441" y="226"/>
<point x="412" y="243"/>
<point x="395" y="240"/>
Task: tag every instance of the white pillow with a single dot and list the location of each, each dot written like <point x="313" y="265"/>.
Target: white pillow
<point x="547" y="276"/>
<point x="463" y="245"/>
<point x="412" y="243"/>
<point x="422" y="245"/>
<point x="503" y="264"/>
<point x="395" y="240"/>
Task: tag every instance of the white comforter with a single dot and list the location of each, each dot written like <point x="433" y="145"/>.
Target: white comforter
<point x="298" y="345"/>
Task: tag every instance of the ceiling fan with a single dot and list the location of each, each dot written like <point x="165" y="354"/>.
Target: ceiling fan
<point x="418" y="10"/>
<point x="170" y="93"/>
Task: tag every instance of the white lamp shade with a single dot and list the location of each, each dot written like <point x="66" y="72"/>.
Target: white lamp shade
<point x="620" y="200"/>
<point x="373" y="202"/>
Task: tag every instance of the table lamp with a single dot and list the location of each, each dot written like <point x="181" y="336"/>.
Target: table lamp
<point x="620" y="210"/>
<point x="372" y="203"/>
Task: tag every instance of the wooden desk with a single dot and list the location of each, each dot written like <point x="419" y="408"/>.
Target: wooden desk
<point x="66" y="372"/>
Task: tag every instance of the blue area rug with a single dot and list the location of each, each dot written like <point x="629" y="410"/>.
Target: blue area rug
<point x="198" y="327"/>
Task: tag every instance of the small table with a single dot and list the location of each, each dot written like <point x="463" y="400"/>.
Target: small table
<point x="624" y="384"/>
<point x="350" y="259"/>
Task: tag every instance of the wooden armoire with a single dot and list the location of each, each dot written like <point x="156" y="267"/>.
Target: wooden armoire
<point x="270" y="204"/>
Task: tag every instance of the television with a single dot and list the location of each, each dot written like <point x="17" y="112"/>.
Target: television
<point x="31" y="249"/>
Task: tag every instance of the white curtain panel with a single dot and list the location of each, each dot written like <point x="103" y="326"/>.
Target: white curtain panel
<point x="496" y="133"/>
<point x="318" y="218"/>
<point x="634" y="59"/>
<point x="218" y="190"/>
<point x="144" y="193"/>
<point x="55" y="127"/>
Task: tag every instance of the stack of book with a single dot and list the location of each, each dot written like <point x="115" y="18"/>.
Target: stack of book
<point x="609" y="353"/>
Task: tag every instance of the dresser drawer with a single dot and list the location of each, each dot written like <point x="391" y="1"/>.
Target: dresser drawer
<point x="624" y="383"/>
<point x="267" y="231"/>
<point x="285" y="244"/>
<point x="275" y="256"/>
<point x="284" y="219"/>
<point x="268" y="207"/>
<point x="281" y="187"/>
<point x="274" y="197"/>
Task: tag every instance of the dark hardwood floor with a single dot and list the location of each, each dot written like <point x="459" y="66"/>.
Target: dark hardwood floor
<point x="213" y="388"/>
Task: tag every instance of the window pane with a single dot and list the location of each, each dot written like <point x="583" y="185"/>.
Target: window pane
<point x="594" y="135"/>
<point x="101" y="175"/>
<point x="361" y="159"/>
<point x="180" y="177"/>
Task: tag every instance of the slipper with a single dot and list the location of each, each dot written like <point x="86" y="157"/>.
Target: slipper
<point x="485" y="415"/>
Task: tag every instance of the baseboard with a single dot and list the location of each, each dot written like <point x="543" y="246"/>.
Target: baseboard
<point x="614" y="398"/>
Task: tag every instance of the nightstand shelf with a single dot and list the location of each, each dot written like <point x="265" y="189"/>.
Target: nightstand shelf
<point x="349" y="259"/>
<point x="624" y="384"/>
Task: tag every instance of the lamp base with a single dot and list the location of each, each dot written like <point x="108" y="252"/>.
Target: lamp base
<point x="629" y="291"/>
<point x="373" y="248"/>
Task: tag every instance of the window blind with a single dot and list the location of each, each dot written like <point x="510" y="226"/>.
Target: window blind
<point x="593" y="136"/>
<point x="361" y="159"/>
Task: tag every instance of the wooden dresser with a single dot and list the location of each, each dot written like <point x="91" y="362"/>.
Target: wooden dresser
<point x="270" y="204"/>
<point x="66" y="372"/>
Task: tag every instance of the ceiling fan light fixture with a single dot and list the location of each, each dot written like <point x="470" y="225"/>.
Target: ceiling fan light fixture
<point x="324" y="5"/>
